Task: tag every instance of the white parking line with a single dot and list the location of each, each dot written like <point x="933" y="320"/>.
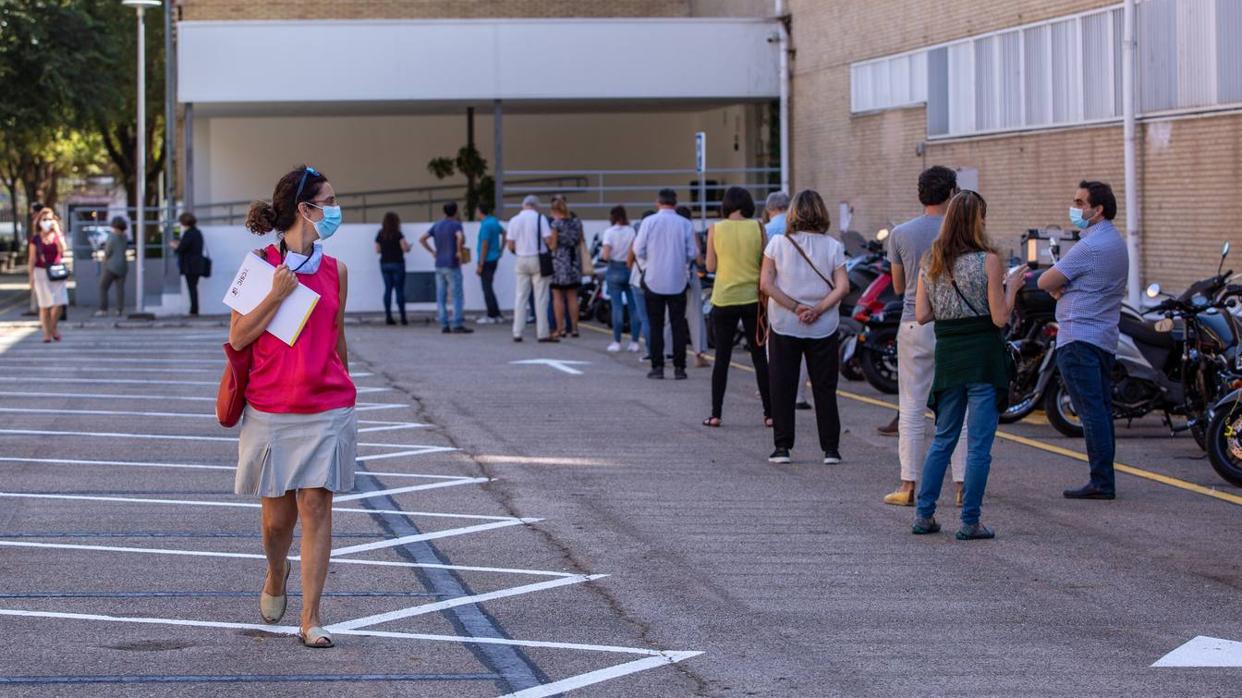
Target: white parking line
<point x="260" y="556"/>
<point x="423" y="609"/>
<point x="384" y="425"/>
<point x="556" y="688"/>
<point x="136" y="381"/>
<point x="8" y="357"/>
<point x="205" y="466"/>
<point x="434" y="535"/>
<point x="360" y="407"/>
<point x="506" y="520"/>
<point x="668" y="656"/>
<point x="415" y="449"/>
<point x="126" y="369"/>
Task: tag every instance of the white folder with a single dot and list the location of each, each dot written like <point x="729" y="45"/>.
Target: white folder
<point x="252" y="284"/>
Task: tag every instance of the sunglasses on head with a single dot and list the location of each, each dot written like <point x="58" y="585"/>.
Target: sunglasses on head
<point x="302" y="183"/>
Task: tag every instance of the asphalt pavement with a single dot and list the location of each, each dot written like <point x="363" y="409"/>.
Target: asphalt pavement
<point x="541" y="518"/>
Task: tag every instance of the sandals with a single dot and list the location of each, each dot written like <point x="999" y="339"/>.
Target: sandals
<point x="316" y="637"/>
<point x="713" y="422"/>
<point x="272" y="608"/>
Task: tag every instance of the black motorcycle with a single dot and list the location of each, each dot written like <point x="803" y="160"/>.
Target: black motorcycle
<point x="1032" y="338"/>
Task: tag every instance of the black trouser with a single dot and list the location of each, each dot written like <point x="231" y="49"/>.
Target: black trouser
<point x="489" y="293"/>
<point x="784" y="364"/>
<point x="117" y="281"/>
<point x="724" y="325"/>
<point x="191" y="283"/>
<point x="675" y="304"/>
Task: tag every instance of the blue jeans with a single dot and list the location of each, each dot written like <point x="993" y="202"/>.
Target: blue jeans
<point x="980" y="432"/>
<point x="448" y="280"/>
<point x="640" y="308"/>
<point x="1087" y="372"/>
<point x="618" y="279"/>
<point x="394" y="281"/>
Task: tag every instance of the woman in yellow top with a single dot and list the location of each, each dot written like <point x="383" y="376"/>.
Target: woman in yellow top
<point x="735" y="253"/>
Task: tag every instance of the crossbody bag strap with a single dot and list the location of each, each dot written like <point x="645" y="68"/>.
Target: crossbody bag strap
<point x="814" y="268"/>
<point x="965" y="300"/>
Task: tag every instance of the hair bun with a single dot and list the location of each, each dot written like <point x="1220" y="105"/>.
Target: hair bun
<point x="261" y="219"/>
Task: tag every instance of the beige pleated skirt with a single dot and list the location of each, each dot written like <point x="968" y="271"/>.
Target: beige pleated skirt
<point x="48" y="293"/>
<point x="279" y="452"/>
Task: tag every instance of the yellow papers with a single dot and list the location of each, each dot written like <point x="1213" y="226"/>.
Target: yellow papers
<point x="252" y="284"/>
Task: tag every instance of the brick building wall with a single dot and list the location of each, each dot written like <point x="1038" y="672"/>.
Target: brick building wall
<point x="429" y="9"/>
<point x="1189" y="168"/>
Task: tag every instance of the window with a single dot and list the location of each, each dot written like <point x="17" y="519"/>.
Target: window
<point x="1065" y="71"/>
<point x="889" y="83"/>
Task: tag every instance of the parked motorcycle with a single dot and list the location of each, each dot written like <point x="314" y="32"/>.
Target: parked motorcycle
<point x="1224" y="429"/>
<point x="877" y="345"/>
<point x="871" y="289"/>
<point x="1032" y="331"/>
<point x="1179" y="365"/>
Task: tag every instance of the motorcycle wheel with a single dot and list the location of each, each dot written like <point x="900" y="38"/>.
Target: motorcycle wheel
<point x="852" y="370"/>
<point x="1224" y="443"/>
<point x="1060" y="411"/>
<point x="879" y="361"/>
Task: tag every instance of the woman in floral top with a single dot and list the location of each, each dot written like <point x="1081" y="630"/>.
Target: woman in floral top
<point x="566" y="267"/>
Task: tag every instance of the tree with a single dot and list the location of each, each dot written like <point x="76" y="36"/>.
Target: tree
<point x="116" y="119"/>
<point x="480" y="186"/>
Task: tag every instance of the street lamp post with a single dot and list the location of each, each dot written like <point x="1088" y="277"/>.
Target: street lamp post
<point x="141" y="155"/>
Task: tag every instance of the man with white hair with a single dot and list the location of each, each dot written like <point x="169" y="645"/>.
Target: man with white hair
<point x="774" y="210"/>
<point x="528" y="235"/>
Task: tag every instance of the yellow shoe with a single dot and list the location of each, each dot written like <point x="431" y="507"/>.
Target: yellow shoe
<point x="900" y="498"/>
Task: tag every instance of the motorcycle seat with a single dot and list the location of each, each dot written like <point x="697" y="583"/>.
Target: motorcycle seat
<point x="1143" y="332"/>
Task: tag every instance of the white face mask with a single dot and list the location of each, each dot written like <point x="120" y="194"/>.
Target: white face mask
<point x="46" y="224"/>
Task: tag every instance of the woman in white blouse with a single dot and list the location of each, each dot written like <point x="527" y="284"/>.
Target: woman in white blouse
<point x="804" y="278"/>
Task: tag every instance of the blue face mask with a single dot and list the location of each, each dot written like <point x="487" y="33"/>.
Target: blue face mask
<point x="1075" y="216"/>
<point x="329" y="223"/>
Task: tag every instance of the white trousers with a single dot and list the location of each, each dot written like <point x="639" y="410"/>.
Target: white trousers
<point x="526" y="271"/>
<point x="916" y="366"/>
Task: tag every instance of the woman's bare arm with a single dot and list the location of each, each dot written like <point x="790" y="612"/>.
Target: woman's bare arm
<point x="1002" y="289"/>
<point x="767" y="283"/>
<point x="711" y="248"/>
<point x="245" y="329"/>
<point x="922" y="304"/>
<point x="342" y="348"/>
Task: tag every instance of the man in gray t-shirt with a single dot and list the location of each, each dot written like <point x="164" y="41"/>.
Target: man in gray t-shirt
<point x="909" y="242"/>
<point x="916" y="344"/>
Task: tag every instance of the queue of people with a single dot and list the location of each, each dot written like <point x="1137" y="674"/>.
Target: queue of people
<point x="299" y="431"/>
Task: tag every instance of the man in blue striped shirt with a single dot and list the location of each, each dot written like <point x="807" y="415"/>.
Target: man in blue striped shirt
<point x="664" y="249"/>
<point x="1089" y="283"/>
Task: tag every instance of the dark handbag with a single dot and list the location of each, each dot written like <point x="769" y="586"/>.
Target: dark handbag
<point x="545" y="255"/>
<point x="231" y="398"/>
<point x="55" y="272"/>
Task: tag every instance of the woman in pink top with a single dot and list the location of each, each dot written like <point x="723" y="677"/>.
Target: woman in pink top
<point x="299" y="431"/>
<point x="47" y="248"/>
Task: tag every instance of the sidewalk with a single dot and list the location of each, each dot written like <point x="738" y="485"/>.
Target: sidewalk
<point x="15" y="299"/>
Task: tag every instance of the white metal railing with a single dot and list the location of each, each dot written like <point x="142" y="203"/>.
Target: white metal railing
<point x="603" y="189"/>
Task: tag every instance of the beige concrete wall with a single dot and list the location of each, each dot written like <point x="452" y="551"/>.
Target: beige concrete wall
<point x="241" y="158"/>
<point x="1190" y="169"/>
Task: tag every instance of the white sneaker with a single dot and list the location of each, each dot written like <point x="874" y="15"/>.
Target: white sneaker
<point x="633" y="347"/>
<point x="614" y="347"/>
<point x="483" y="320"/>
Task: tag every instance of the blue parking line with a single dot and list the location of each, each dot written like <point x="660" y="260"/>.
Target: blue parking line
<point x="516" y="671"/>
<point x="241" y="678"/>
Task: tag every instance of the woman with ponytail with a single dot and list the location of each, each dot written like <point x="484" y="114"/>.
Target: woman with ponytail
<point x="299" y="430"/>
